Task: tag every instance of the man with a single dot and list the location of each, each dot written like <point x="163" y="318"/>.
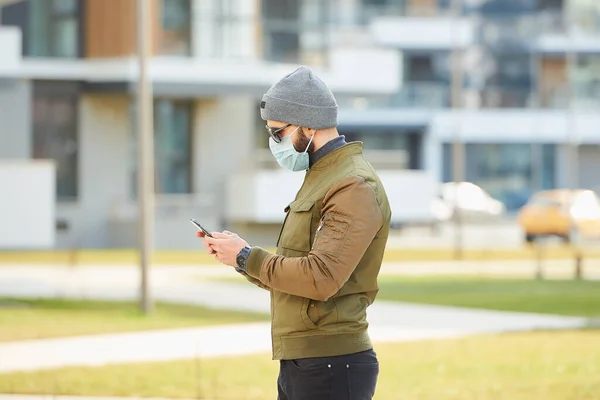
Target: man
<point x="329" y="252"/>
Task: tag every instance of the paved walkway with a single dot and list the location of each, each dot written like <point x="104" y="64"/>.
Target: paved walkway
<point x="389" y="321"/>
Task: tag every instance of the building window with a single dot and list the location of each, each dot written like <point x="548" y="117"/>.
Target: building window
<point x="585" y="15"/>
<point x="172" y="147"/>
<point x="586" y="81"/>
<point x="295" y="31"/>
<point x="53" y="28"/>
<point x="432" y="67"/>
<point x="509" y="84"/>
<point x="375" y="8"/>
<point x="55" y="133"/>
<point x="176" y="28"/>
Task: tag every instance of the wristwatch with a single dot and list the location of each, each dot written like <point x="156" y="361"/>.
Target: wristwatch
<point x="242" y="257"/>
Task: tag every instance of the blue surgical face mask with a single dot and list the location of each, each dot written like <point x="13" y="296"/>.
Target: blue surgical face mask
<point x="287" y="156"/>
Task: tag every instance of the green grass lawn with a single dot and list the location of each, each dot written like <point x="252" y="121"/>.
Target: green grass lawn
<point x="562" y="297"/>
<point x="200" y="257"/>
<point x="565" y="297"/>
<point x="35" y="319"/>
<point x="521" y="366"/>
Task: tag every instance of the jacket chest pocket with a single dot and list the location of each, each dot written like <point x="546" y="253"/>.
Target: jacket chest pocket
<point x="298" y="228"/>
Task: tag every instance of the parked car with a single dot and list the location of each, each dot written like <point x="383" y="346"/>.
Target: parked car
<point x="569" y="214"/>
<point x="472" y="202"/>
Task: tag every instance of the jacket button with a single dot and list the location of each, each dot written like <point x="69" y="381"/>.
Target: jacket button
<point x="312" y="304"/>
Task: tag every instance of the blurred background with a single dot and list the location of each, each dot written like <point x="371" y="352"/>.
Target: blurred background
<point x="481" y="118"/>
<point x="500" y="95"/>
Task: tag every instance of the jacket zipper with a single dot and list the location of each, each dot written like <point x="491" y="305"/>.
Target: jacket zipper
<point x="319" y="227"/>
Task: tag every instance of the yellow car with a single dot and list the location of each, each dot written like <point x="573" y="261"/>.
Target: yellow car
<point x="569" y="214"/>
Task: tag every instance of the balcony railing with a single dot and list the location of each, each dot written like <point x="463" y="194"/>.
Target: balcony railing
<point x="551" y="22"/>
<point x="586" y="96"/>
<point x="366" y="13"/>
<point x="411" y="95"/>
<point x="422" y="95"/>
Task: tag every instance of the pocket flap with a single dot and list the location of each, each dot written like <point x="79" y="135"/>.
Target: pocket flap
<point x="301" y="205"/>
<point x="296" y="231"/>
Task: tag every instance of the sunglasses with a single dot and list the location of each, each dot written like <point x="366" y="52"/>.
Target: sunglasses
<point x="274" y="132"/>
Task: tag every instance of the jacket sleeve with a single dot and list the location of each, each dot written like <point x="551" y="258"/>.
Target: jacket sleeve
<point x="255" y="281"/>
<point x="351" y="219"/>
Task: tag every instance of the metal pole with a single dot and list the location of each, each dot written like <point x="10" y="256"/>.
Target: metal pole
<point x="145" y="139"/>
<point x="573" y="146"/>
<point x="457" y="145"/>
<point x="571" y="61"/>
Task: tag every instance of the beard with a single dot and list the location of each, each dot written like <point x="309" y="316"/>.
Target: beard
<point x="301" y="141"/>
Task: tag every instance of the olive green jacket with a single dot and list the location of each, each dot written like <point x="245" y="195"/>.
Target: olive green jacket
<point x="329" y="252"/>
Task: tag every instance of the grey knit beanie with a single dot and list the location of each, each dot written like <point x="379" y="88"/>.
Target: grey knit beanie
<point x="300" y="98"/>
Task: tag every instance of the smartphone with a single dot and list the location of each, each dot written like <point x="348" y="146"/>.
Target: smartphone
<point x="200" y="228"/>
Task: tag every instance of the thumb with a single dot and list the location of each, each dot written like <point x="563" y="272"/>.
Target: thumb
<point x="219" y="235"/>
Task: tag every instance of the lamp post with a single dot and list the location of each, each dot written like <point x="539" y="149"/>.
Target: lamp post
<point x="145" y="139"/>
<point x="572" y="138"/>
<point x="457" y="145"/>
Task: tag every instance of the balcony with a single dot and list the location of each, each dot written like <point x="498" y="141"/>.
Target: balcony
<point x="586" y="96"/>
<point x="411" y="95"/>
<point x="202" y="77"/>
<point x="554" y="36"/>
<point x="508" y="35"/>
<point x="555" y="97"/>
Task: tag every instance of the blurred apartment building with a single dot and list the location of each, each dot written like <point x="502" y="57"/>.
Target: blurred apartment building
<point x="530" y="98"/>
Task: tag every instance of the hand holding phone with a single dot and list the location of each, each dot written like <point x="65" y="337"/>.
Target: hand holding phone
<point x="200" y="228"/>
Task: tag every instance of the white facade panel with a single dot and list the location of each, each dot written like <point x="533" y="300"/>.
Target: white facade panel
<point x="225" y="29"/>
<point x="261" y="196"/>
<point x="517" y="126"/>
<point x="15" y="119"/>
<point x="560" y="43"/>
<point x="10" y="49"/>
<point x="367" y="71"/>
<point x="363" y="70"/>
<point x="422" y="33"/>
<point x="27" y="204"/>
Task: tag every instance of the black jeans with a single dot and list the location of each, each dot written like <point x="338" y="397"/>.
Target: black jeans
<point x="348" y="377"/>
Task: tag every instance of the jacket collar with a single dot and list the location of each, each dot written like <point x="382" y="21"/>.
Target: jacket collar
<point x="346" y="150"/>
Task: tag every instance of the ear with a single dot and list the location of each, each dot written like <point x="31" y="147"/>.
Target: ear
<point x="308" y="131"/>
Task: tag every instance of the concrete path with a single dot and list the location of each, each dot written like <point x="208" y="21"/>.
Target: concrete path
<point x="389" y="321"/>
<point x="189" y="284"/>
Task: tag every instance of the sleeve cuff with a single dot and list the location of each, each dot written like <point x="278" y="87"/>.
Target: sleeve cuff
<point x="255" y="261"/>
